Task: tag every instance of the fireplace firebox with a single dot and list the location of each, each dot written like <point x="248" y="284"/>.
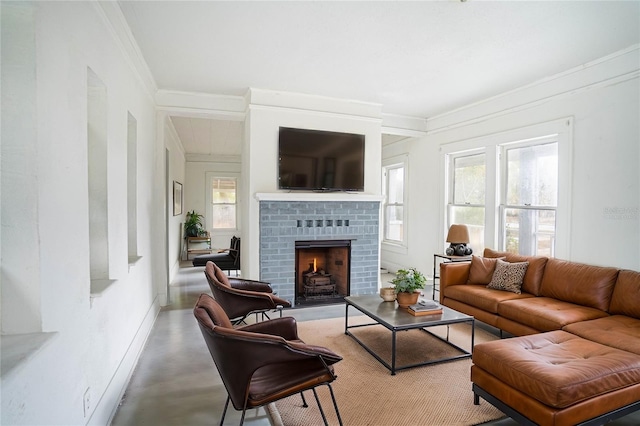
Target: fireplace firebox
<point x="322" y="271"/>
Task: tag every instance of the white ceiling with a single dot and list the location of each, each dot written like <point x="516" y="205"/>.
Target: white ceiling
<point x="203" y="136"/>
<point x="415" y="58"/>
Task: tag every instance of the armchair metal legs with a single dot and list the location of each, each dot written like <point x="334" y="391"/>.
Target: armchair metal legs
<point x="263" y="313"/>
<point x="224" y="412"/>
<point x="333" y="399"/>
<point x="335" y="405"/>
<point x="278" y="308"/>
<point x="304" y="404"/>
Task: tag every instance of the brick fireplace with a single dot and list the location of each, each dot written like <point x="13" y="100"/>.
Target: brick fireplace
<point x="310" y="222"/>
<point x="323" y="269"/>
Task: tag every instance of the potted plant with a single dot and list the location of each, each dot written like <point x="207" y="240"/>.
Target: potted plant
<point x="193" y="224"/>
<point x="406" y="283"/>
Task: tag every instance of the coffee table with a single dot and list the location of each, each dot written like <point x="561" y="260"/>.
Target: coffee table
<point x="395" y="319"/>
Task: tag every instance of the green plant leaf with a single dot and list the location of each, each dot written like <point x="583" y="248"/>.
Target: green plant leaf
<point x="408" y="280"/>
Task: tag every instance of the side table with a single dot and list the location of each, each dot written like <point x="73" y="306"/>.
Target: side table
<point x="199" y="242"/>
<point x="444" y="258"/>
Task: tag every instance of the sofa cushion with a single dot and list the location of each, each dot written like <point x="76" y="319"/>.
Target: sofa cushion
<point x="557" y="368"/>
<point x="480" y="296"/>
<point x="617" y="331"/>
<point x="626" y="294"/>
<point x="535" y="270"/>
<point x="546" y="314"/>
<point x="508" y="276"/>
<point x="482" y="269"/>
<point x="578" y="283"/>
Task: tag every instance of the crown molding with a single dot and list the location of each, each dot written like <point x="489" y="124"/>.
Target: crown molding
<point x="403" y="125"/>
<point x="609" y="70"/>
<point x="119" y="28"/>
<point x="198" y="104"/>
<point x="304" y="102"/>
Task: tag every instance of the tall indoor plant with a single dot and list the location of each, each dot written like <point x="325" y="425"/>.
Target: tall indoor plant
<point x="407" y="284"/>
<point x="193" y="224"/>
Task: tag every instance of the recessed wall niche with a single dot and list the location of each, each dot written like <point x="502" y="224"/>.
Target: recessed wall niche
<point x="97" y="181"/>
<point x="132" y="187"/>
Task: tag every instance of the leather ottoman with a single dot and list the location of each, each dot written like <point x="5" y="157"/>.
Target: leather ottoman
<point x="556" y="378"/>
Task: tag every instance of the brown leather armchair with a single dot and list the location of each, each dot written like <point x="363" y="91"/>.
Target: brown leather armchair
<point x="263" y="362"/>
<point x="241" y="297"/>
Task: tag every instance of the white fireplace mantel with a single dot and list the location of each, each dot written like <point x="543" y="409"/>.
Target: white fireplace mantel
<point x="317" y="196"/>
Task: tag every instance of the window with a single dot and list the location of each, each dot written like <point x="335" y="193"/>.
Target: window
<point x="512" y="189"/>
<point x="467" y="195"/>
<point x="529" y="198"/>
<point x="394" y="203"/>
<point x="223" y="202"/>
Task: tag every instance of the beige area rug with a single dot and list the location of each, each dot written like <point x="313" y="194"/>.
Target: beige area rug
<point x="367" y="393"/>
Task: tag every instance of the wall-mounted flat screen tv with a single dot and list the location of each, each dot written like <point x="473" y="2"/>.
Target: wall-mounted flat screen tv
<point x="318" y="160"/>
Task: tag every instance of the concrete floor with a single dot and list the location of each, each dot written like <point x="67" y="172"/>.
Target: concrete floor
<point x="175" y="381"/>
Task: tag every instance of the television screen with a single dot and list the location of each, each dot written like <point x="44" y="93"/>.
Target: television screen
<point x="319" y="160"/>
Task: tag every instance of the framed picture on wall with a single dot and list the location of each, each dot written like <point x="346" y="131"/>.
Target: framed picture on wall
<point x="177" y="198"/>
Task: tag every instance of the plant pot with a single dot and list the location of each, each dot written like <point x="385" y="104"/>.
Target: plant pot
<point x="192" y="232"/>
<point x="405" y="299"/>
<point x="388" y="294"/>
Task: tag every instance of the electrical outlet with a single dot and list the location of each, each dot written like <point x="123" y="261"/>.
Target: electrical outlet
<point x="86" y="401"/>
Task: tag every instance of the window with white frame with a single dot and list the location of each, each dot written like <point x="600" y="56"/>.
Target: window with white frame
<point x="529" y="197"/>
<point x="394" y="202"/>
<point x="223" y="202"/>
<point x="523" y="171"/>
<point x="467" y="195"/>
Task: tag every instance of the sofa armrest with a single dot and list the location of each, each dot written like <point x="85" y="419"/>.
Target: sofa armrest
<point x="453" y="273"/>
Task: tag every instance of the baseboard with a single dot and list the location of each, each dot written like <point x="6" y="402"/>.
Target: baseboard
<point x="108" y="404"/>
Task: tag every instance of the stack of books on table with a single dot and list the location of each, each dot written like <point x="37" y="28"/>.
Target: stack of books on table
<point x="425" y="307"/>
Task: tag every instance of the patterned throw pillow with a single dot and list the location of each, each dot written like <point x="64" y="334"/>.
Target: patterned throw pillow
<point x="508" y="276"/>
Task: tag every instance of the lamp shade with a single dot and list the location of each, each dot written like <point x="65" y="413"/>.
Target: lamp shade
<point x="458" y="234"/>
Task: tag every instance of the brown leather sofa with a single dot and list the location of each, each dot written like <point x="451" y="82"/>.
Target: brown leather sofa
<point x="577" y="360"/>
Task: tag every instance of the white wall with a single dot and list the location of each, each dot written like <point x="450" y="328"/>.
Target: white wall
<point x="19" y="173"/>
<point x="603" y="98"/>
<point x="270" y="110"/>
<point x="422" y="188"/>
<point x="80" y="341"/>
<point x="176" y="172"/>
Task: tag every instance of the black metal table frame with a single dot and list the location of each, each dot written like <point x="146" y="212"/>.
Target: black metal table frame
<point x="447" y="258"/>
<point x="418" y="325"/>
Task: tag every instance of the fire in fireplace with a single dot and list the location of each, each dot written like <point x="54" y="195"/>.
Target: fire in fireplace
<point x="322" y="270"/>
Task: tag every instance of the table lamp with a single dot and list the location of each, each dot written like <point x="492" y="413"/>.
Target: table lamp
<point x="458" y="237"/>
